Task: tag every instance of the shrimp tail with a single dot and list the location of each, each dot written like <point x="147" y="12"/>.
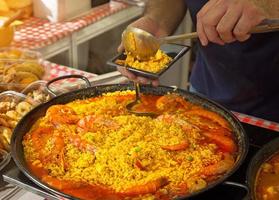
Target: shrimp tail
<point x="177" y="147"/>
<point x="224" y="142"/>
<point x="210" y="115"/>
<point x="150" y="187"/>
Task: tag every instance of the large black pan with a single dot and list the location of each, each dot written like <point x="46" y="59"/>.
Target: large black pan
<point x="261" y="156"/>
<point x="25" y="124"/>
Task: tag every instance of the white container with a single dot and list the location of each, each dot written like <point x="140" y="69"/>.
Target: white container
<point x="60" y="10"/>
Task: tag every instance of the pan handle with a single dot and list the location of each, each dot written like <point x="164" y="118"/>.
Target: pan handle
<point x="88" y="84"/>
<point x="241" y="186"/>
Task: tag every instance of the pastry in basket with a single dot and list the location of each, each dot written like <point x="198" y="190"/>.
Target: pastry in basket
<point x="5" y="136"/>
<point x="3" y="143"/>
<point x="17" y="75"/>
<point x="31" y="67"/>
<point x="20" y="77"/>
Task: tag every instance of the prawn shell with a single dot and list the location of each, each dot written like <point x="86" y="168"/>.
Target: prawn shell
<point x="210" y="115"/>
<point x="147" y="188"/>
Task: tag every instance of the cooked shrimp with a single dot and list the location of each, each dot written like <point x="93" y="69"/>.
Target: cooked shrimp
<point x="224" y="142"/>
<point x="138" y="164"/>
<point x="185" y="125"/>
<point x="81" y="144"/>
<point x="40" y="136"/>
<point x="177" y="147"/>
<point x="61" y="184"/>
<point x="171" y="102"/>
<point x="150" y="187"/>
<point x="210" y="115"/>
<point x="61" y="114"/>
<point x="91" y="123"/>
<point x="221" y="167"/>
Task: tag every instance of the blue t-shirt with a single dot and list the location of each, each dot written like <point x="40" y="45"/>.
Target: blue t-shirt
<point x="242" y="76"/>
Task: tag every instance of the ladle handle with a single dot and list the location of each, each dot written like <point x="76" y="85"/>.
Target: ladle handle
<point x="176" y="38"/>
<point x="265" y="27"/>
<point x="137" y="88"/>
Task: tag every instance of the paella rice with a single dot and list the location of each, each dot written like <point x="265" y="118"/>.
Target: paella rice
<point x="154" y="64"/>
<point x="97" y="142"/>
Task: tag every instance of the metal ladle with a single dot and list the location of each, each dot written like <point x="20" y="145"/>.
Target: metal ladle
<point x="137" y="101"/>
<point x="143" y="45"/>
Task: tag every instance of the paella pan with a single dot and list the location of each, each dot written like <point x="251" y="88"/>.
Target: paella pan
<point x="85" y="145"/>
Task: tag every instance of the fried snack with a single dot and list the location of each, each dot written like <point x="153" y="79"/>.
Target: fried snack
<point x="3" y="122"/>
<point x="10" y="113"/>
<point x="4" y="142"/>
<point x="13" y="115"/>
<point x="39" y="96"/>
<point x="16" y="72"/>
<point x="23" y="108"/>
<point x="154" y="64"/>
<point x="1" y="147"/>
<point x="20" y="77"/>
<point x="5" y="106"/>
<point x="7" y="133"/>
<point x="12" y="123"/>
<point x="31" y="67"/>
<point x="7" y="121"/>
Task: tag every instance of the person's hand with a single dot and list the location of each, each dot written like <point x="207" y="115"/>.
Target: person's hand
<point x="152" y="27"/>
<point x="226" y="21"/>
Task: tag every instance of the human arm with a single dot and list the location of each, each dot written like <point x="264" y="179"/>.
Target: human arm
<point x="223" y="21"/>
<point x="161" y="17"/>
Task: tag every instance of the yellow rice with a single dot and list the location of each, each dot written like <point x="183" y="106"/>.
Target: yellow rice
<point x="137" y="138"/>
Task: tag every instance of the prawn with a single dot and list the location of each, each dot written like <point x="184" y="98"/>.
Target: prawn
<point x="177" y="147"/>
<point x="224" y="142"/>
<point x="90" y="123"/>
<point x="184" y="124"/>
<point x="210" y="115"/>
<point x="220" y="167"/>
<point x="138" y="164"/>
<point x="40" y="136"/>
<point x="150" y="187"/>
<point x="61" y="184"/>
<point x="171" y="102"/>
<point x="61" y="114"/>
<point x="81" y="144"/>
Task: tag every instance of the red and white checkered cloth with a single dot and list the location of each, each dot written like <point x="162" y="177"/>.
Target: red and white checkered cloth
<point x="55" y="70"/>
<point x="36" y="33"/>
<point x="257" y="121"/>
